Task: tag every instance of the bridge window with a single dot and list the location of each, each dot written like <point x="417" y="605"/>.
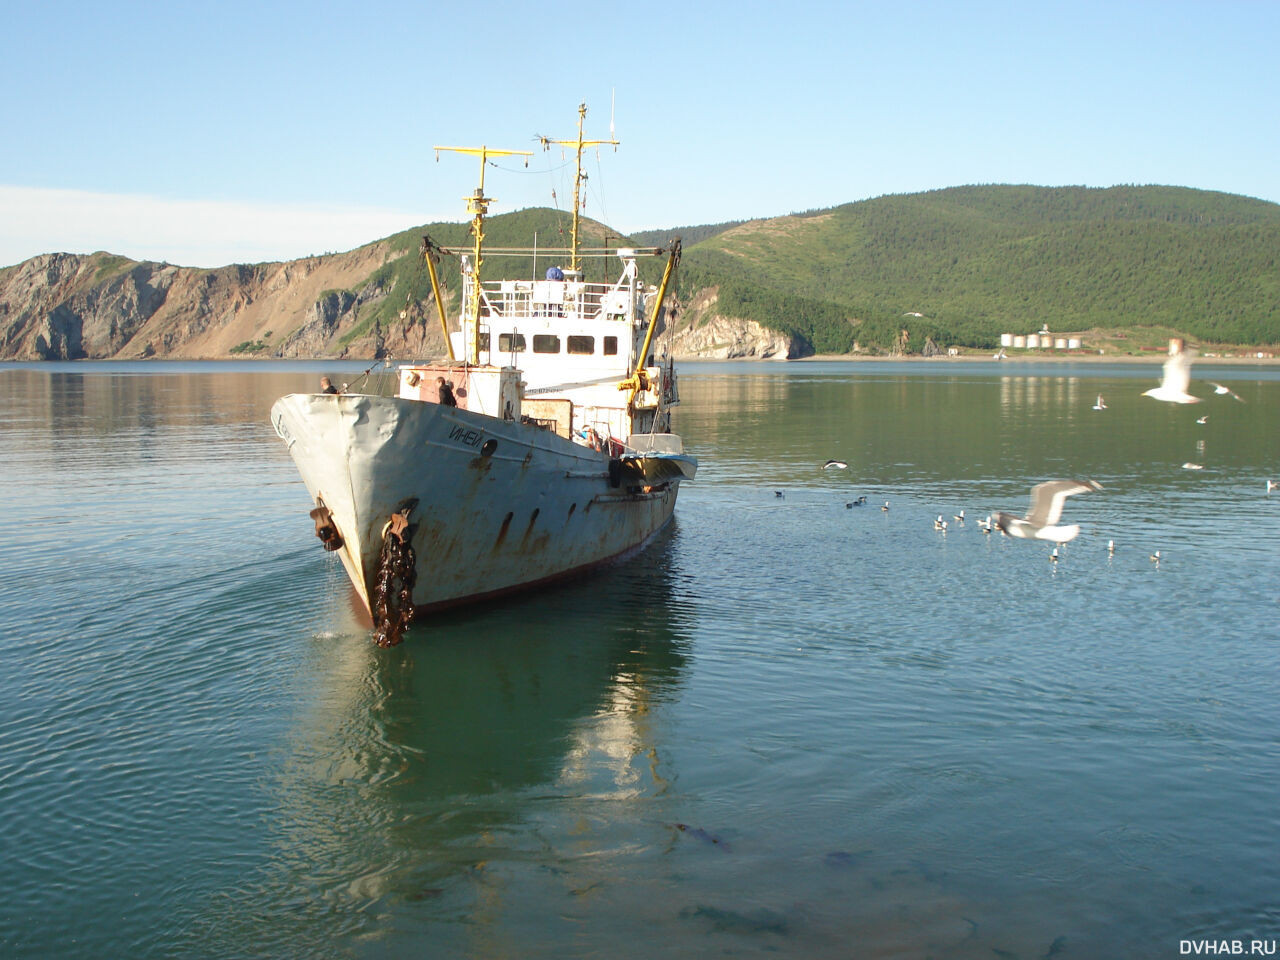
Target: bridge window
<point x="484" y="341"/>
<point x="546" y="343"/>
<point x="510" y="342"/>
<point x="610" y="346"/>
<point x="582" y="345"/>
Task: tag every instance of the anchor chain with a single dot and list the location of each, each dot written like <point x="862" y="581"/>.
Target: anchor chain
<point x="392" y="599"/>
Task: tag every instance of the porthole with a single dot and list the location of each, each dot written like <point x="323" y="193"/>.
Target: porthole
<point x="486" y="450"/>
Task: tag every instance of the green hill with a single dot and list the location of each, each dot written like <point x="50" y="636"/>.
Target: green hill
<point x="977" y="261"/>
<point x="688" y="235"/>
<point x="1124" y="267"/>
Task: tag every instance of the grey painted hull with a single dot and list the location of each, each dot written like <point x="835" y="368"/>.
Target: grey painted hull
<point x="500" y="505"/>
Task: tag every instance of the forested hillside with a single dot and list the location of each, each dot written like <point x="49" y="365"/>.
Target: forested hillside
<point x="688" y="235"/>
<point x="978" y="261"/>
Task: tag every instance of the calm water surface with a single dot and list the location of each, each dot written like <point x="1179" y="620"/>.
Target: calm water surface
<point x="788" y="728"/>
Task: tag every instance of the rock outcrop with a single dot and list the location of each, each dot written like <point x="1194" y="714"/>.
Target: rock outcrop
<point x="702" y="332"/>
<point x="728" y="338"/>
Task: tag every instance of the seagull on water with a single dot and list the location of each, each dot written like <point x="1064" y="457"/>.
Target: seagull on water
<point x="1204" y="419"/>
<point x="1192" y="466"/>
<point x="1271" y="485"/>
<point x="1221" y="390"/>
<point x="856" y="503"/>
<point x="1111" y="547"/>
<point x="1177" y="377"/>
<point x="959" y="517"/>
<point x="1041" y="520"/>
<point x="885" y="508"/>
<point x="1155" y="558"/>
<point x="1101" y="404"/>
<point x="838" y="464"/>
<point x="985" y="525"/>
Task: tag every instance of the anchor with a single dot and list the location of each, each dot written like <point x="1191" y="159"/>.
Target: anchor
<point x="326" y="529"/>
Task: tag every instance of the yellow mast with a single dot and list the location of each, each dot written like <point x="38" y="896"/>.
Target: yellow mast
<point x="478" y="206"/>
<point x="579" y="176"/>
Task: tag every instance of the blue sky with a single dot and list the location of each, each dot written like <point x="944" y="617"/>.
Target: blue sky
<point x="204" y="134"/>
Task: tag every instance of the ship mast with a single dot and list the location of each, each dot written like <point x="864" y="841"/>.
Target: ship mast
<point x="579" y="176"/>
<point x="478" y="206"/>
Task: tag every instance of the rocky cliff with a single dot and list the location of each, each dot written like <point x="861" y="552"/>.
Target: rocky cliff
<point x="701" y="331"/>
<point x="67" y="307"/>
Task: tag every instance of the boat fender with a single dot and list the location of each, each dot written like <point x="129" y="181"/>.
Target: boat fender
<point x="615" y="472"/>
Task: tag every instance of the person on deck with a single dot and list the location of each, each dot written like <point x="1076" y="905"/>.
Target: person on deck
<point x="326" y="386"/>
<point x="445" y="392"/>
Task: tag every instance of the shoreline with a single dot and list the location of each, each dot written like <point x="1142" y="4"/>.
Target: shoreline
<point x="1153" y="358"/>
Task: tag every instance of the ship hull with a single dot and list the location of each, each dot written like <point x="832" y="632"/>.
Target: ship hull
<point x="493" y="505"/>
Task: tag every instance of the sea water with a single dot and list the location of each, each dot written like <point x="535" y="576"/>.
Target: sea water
<point x="793" y="726"/>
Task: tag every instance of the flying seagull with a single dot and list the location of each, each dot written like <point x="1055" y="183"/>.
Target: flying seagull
<point x="1220" y="389"/>
<point x="838" y="464"/>
<point x="1041" y="520"/>
<point x="1177" y="377"/>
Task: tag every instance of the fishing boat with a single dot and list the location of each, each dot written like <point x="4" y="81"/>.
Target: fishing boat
<point x="540" y="447"/>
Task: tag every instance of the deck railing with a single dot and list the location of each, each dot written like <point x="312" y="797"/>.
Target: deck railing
<point x="523" y="299"/>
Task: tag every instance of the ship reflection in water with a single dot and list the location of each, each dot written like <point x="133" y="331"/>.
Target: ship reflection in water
<point x="492" y="744"/>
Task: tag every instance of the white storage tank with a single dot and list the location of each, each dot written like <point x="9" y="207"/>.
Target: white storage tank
<point x="1006" y="339"/>
<point x="1019" y="342"/>
<point x="1033" y="341"/>
<point x="1060" y="343"/>
<point x="1073" y="343"/>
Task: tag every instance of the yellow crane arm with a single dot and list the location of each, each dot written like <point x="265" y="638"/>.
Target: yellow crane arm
<point x="429" y="255"/>
<point x="639" y="380"/>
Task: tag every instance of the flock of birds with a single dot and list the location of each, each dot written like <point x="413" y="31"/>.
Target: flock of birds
<point x="1041" y="521"/>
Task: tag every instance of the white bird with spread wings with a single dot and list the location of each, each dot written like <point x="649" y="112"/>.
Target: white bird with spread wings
<point x="1225" y="391"/>
<point x="1041" y="520"/>
<point x="1176" y="380"/>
